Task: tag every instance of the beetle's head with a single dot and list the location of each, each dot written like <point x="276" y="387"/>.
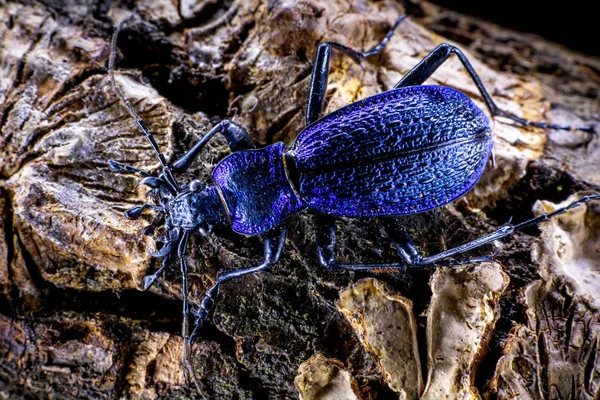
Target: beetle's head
<point x="186" y="209"/>
<point x="197" y="209"/>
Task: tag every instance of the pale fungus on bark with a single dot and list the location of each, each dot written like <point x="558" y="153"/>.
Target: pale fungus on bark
<point x="460" y="319"/>
<point x="385" y="325"/>
<point x="325" y="379"/>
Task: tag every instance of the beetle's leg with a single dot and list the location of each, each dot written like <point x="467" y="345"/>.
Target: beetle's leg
<point x="171" y="243"/>
<point x="326" y="245"/>
<point x="148" y="179"/>
<point x="412" y="259"/>
<point x="506" y="230"/>
<point x="237" y="137"/>
<point x="403" y="244"/>
<point x="273" y="245"/>
<point x="181" y="248"/>
<point x="150" y="279"/>
<point x="136" y="212"/>
<point x="316" y="100"/>
<point x="397" y="267"/>
<point x="326" y="238"/>
<point x="318" y="82"/>
<point x="119" y="168"/>
<point x="439" y="55"/>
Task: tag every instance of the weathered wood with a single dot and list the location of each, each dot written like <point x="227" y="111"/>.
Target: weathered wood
<point x="74" y="320"/>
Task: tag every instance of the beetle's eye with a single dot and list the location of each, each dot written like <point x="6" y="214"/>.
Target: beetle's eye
<point x="205" y="230"/>
<point x="196" y="185"/>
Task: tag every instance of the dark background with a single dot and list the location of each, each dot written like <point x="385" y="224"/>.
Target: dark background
<point x="571" y="23"/>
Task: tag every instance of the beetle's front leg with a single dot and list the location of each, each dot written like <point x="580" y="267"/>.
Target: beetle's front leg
<point x="237" y="138"/>
<point x="273" y="245"/>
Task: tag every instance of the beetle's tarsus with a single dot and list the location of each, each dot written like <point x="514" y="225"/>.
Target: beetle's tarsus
<point x="206" y="307"/>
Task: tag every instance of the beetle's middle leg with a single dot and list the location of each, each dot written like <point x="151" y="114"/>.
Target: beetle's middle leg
<point x="404" y="245"/>
<point x="320" y="74"/>
<point x="273" y="246"/>
<point x="427" y="67"/>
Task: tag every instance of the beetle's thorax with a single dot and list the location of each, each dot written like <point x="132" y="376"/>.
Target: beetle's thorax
<point x="197" y="210"/>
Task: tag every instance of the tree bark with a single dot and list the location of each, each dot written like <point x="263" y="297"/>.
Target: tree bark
<point x="75" y="321"/>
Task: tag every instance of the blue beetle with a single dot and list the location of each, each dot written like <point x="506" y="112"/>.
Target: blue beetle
<point x="404" y="151"/>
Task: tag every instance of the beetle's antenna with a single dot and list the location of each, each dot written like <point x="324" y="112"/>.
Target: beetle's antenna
<point x="169" y="178"/>
<point x="181" y="254"/>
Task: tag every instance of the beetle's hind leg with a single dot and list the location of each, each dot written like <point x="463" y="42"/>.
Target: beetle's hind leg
<point x="427" y="67"/>
<point x="506" y="230"/>
<point x="273" y="245"/>
<point x="407" y="250"/>
<point x="326" y="243"/>
<point x="411" y="256"/>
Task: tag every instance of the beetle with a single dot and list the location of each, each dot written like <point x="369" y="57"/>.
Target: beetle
<point x="405" y="151"/>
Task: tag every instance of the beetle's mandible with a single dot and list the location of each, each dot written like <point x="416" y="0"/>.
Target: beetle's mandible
<point x="404" y="151"/>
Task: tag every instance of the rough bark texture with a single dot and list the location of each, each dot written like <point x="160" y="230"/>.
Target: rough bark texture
<point x="74" y="320"/>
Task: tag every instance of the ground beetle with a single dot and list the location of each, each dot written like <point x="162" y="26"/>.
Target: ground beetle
<point x="404" y="151"/>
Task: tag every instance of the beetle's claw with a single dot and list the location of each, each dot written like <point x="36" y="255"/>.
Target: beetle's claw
<point x="149" y="281"/>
